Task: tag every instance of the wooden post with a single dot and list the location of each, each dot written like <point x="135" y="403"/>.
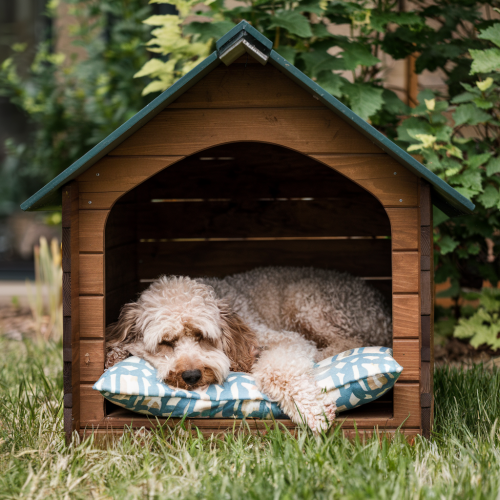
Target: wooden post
<point x="426" y="308"/>
<point x="71" y="321"/>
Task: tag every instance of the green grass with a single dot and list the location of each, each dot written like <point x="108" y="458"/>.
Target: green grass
<point x="461" y="461"/>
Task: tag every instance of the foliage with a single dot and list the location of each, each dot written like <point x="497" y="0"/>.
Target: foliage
<point x="460" y="142"/>
<point x="462" y="460"/>
<point x="483" y="326"/>
<point x="300" y="34"/>
<point x="46" y="299"/>
<point x="73" y="103"/>
<point x="349" y="67"/>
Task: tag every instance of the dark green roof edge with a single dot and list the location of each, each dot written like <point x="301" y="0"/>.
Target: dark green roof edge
<point x="447" y="198"/>
<point x="455" y="203"/>
<point x="49" y="198"/>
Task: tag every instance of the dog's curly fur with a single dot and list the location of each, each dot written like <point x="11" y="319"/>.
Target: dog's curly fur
<point x="273" y="322"/>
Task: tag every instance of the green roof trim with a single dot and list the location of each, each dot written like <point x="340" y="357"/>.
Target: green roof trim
<point x="49" y="197"/>
<point x="444" y="196"/>
<point x="457" y="203"/>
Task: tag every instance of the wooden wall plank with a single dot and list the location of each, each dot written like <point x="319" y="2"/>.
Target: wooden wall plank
<point x="245" y="86"/>
<point x="99" y="201"/>
<point x="261" y="218"/>
<point x="91" y="274"/>
<point x="91" y="360"/>
<point x="121" y="174"/>
<point x="405" y="272"/>
<point x="425" y="250"/>
<point x="406" y="316"/>
<point x="405" y="228"/>
<point x="71" y="310"/>
<point x="426" y="293"/>
<point x="407" y="404"/>
<point x="366" y="258"/>
<point x="407" y="353"/>
<point x="92" y="223"/>
<point x="92" y="316"/>
<point x="376" y="175"/>
<point x="92" y="412"/>
<point x="427" y="309"/>
<point x="309" y="130"/>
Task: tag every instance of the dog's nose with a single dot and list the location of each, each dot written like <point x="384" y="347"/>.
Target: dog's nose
<point x="191" y="376"/>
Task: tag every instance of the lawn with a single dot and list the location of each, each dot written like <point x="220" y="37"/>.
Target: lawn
<point x="461" y="461"/>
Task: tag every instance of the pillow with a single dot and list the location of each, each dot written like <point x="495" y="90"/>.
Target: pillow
<point x="357" y="376"/>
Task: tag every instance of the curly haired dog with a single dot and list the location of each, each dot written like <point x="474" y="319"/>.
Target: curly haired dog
<point x="273" y="322"/>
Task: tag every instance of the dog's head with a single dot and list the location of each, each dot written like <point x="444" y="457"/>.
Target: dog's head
<point x="190" y="336"/>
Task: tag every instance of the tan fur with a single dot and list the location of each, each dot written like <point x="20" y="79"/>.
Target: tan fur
<point x="295" y="315"/>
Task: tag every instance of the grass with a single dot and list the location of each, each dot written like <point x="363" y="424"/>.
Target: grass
<point x="461" y="461"/>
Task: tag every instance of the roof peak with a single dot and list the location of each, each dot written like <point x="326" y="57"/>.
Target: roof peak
<point x="240" y="39"/>
<point x="243" y="38"/>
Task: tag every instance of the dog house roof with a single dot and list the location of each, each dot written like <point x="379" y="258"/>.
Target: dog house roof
<point x="243" y="38"/>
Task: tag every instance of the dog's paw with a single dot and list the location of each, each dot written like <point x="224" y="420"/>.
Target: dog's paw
<point x="318" y="414"/>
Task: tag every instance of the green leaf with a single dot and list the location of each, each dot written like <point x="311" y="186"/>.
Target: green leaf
<point x="490" y="197"/>
<point x="480" y="328"/>
<point x="293" y="22"/>
<point x="394" y="104"/>
<point x="310" y="6"/>
<point x="464" y="97"/>
<point x="208" y="30"/>
<point x="287" y="52"/>
<point x="320" y="30"/>
<point x="365" y="100"/>
<point x="472" y="179"/>
<point x="447" y="244"/>
<point x="412" y="126"/>
<point x="317" y="61"/>
<point x="470" y="114"/>
<point x="476" y="161"/>
<point x="490" y="299"/>
<point x="483" y="103"/>
<point x="485" y="61"/>
<point x="493" y="166"/>
<point x="492" y="34"/>
<point x="331" y="82"/>
<point x="357" y="54"/>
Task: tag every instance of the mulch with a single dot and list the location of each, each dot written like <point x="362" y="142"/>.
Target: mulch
<point x="16" y="323"/>
<point x="458" y="352"/>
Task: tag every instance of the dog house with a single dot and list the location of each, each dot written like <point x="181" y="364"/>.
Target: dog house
<point x="246" y="162"/>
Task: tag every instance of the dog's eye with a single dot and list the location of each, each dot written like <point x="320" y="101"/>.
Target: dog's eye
<point x="167" y="343"/>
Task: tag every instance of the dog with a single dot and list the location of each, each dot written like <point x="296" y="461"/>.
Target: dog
<point x="272" y="322"/>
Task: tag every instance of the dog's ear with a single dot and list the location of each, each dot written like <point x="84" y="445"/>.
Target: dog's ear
<point x="239" y="340"/>
<point x="122" y="333"/>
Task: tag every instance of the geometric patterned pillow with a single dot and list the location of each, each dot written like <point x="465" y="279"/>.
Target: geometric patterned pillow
<point x="357" y="376"/>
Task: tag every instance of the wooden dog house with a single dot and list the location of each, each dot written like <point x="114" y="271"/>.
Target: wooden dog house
<point x="246" y="162"/>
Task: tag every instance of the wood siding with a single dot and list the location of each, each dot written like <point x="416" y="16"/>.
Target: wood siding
<point x="71" y="309"/>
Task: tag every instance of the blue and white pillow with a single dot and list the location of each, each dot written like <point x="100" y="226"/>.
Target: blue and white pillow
<point x="357" y="376"/>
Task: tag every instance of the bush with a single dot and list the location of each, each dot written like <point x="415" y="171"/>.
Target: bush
<point x="74" y="104"/>
<point x="459" y="141"/>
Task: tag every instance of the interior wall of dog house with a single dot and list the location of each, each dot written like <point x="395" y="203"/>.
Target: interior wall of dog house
<point x="246" y="169"/>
